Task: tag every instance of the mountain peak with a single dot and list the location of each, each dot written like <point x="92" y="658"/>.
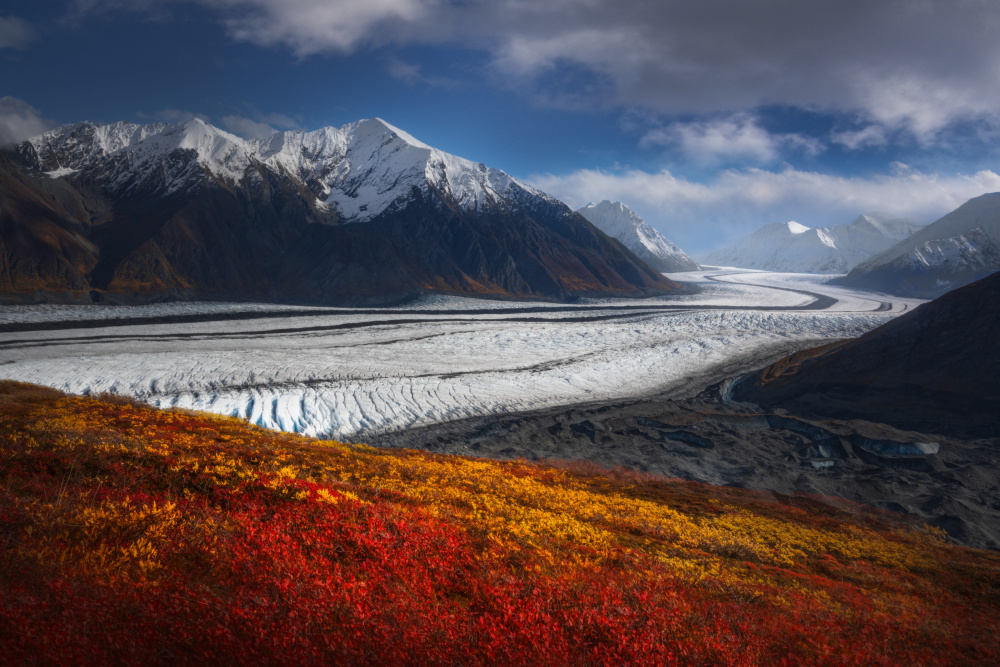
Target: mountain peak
<point x="377" y="124"/>
<point x="790" y="246"/>
<point x="617" y="220"/>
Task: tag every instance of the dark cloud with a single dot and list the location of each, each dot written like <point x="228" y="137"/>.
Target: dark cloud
<point x="905" y="65"/>
<point x="16" y="33"/>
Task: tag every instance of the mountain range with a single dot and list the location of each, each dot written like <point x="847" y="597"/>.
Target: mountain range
<point x="961" y="247"/>
<point x="363" y="213"/>
<point x="619" y="221"/>
<point x="790" y="246"/>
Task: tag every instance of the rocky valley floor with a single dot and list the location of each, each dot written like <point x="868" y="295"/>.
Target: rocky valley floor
<point x="951" y="483"/>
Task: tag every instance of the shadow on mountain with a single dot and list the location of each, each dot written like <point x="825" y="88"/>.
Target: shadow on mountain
<point x="934" y="370"/>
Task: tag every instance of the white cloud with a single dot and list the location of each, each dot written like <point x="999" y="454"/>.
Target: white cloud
<point x="247" y="128"/>
<point x="866" y="137"/>
<point x="403" y="71"/>
<point x="736" y="138"/>
<point x="261" y="126"/>
<point x="19" y="121"/>
<point x="16" y="33"/>
<point x="699" y="216"/>
<point x="308" y="27"/>
<point x="280" y="120"/>
<point x="172" y="116"/>
<point x="413" y="74"/>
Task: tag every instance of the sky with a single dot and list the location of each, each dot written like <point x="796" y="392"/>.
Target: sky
<point x="709" y="118"/>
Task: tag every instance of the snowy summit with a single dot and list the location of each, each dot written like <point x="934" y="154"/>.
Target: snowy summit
<point x="620" y="222"/>
<point x="791" y="246"/>
<point x="357" y="171"/>
<point x="956" y="250"/>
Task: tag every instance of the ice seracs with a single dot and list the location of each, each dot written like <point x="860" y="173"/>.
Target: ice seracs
<point x="961" y="247"/>
<point x="791" y="246"/>
<point x="620" y="222"/>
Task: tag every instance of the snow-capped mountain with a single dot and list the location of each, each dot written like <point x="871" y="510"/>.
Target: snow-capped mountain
<point x="357" y="171"/>
<point x="956" y="250"/>
<point x="619" y="221"/>
<point x="790" y="246"/>
<point x="363" y="212"/>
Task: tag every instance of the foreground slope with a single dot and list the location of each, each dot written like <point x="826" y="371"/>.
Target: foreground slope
<point x="789" y="246"/>
<point x="956" y="250"/>
<point x="131" y="535"/>
<point x="363" y="213"/>
<point x="935" y="369"/>
<point x="620" y="222"/>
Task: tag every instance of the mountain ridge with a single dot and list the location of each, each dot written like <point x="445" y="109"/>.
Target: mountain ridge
<point x="955" y="250"/>
<point x="619" y="221"/>
<point x="363" y="213"/>
<point x="791" y="246"/>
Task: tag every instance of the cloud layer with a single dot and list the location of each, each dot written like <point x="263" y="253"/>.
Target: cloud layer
<point x="910" y="65"/>
<point x="700" y="216"/>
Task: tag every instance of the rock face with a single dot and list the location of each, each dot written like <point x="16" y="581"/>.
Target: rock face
<point x="934" y="370"/>
<point x="956" y="250"/>
<point x="620" y="222"/>
<point x="363" y="213"/>
<point x="789" y="246"/>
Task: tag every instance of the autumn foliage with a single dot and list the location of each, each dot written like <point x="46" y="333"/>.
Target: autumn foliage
<point x="137" y="536"/>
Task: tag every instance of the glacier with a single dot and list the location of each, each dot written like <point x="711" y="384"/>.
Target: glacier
<point x="351" y="374"/>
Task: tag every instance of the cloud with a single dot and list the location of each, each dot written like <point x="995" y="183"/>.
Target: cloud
<point x="412" y="74"/>
<point x="172" y="116"/>
<point x="308" y="27"/>
<point x="913" y="66"/>
<point x="699" y="216"/>
<point x="280" y="120"/>
<point x="16" y="33"/>
<point x="247" y="128"/>
<point x="260" y="126"/>
<point x="19" y="121"/>
<point x="866" y="137"/>
<point x="735" y="138"/>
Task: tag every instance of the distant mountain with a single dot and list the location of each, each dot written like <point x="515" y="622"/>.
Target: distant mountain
<point x="620" y="222"/>
<point x="961" y="247"/>
<point x="789" y="246"/>
<point x="933" y="370"/>
<point x="363" y="213"/>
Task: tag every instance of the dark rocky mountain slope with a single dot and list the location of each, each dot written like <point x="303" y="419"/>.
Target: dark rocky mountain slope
<point x="934" y="370"/>
<point x="358" y="214"/>
<point x="959" y="248"/>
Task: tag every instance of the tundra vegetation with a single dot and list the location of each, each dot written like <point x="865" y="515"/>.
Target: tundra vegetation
<point x="134" y="535"/>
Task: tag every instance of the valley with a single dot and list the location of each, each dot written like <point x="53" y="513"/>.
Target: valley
<point x="357" y="374"/>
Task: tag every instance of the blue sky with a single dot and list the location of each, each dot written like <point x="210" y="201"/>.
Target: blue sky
<point x="710" y="119"/>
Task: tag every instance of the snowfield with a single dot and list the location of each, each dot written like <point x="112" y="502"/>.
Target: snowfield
<point x="352" y="373"/>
